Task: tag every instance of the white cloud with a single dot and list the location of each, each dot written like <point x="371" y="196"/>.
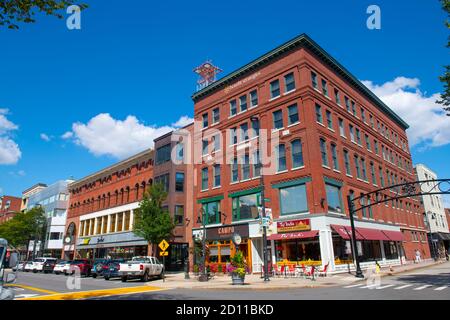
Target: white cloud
<point x="45" y="137"/>
<point x="9" y="150"/>
<point x="67" y="135"/>
<point x="104" y="135"/>
<point x="182" y="122"/>
<point x="429" y="126"/>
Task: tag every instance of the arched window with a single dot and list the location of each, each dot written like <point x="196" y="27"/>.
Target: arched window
<point x="136" y="187"/>
<point x="144" y="185"/>
<point x="128" y="194"/>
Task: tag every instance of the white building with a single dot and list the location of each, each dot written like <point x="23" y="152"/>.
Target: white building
<point x="434" y="214"/>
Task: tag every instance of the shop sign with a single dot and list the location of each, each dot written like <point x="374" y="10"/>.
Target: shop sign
<point x="227" y="232"/>
<point x="86" y="241"/>
<point x="100" y="239"/>
<point x="293" y="225"/>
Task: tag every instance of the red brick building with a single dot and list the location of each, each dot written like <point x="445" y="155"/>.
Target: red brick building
<point x="321" y="135"/>
<point x="101" y="210"/>
<point x="9" y="206"/>
<point x="174" y="170"/>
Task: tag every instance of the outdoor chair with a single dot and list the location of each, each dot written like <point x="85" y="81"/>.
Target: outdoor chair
<point x="323" y="272"/>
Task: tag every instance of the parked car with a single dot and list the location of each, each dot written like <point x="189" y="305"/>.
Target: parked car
<point x="60" y="265"/>
<point x="20" y="266"/>
<point x="49" y="265"/>
<point x="141" y="267"/>
<point x="100" y="265"/>
<point x="84" y="265"/>
<point x="37" y="265"/>
<point x="66" y="267"/>
<point x="28" y="266"/>
<point x="113" y="268"/>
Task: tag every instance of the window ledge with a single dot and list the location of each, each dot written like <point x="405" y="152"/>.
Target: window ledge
<point x="293" y="124"/>
<point x="326" y="167"/>
<point x="218" y="187"/>
<point x="290" y="91"/>
<point x="204" y="190"/>
<point x="245" y="180"/>
<point x="331" y="129"/>
<point x="215" y="124"/>
<point x="232" y="116"/>
<point x="283" y="171"/>
<point x="274" y="98"/>
<point x="279" y="129"/>
<point x="298" y="168"/>
<point x="335" y="170"/>
<point x="320" y="123"/>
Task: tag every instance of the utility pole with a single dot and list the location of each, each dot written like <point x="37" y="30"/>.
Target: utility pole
<point x="351" y="208"/>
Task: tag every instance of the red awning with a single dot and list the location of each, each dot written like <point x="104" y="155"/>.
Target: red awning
<point x="346" y="235"/>
<point x="293" y="235"/>
<point x="394" y="235"/>
<point x="372" y="234"/>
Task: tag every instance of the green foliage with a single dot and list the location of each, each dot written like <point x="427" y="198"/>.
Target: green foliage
<point x="445" y="79"/>
<point x="238" y="264"/>
<point x="152" y="222"/>
<point x="24" y="227"/>
<point x="15" y="11"/>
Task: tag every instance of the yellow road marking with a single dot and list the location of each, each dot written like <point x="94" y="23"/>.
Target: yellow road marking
<point x="31" y="288"/>
<point x="95" y="293"/>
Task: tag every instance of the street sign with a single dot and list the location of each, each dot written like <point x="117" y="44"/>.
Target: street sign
<point x="266" y="200"/>
<point x="163" y="245"/>
<point x="164" y="253"/>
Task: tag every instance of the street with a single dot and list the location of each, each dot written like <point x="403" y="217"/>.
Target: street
<point x="421" y="284"/>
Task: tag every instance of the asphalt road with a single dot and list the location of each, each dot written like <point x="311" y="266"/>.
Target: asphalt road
<point x="431" y="283"/>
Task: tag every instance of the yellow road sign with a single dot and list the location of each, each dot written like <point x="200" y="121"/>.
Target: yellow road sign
<point x="163" y="245"/>
<point x="163" y="253"/>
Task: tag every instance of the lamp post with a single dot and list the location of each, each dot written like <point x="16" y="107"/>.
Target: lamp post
<point x="433" y="244"/>
<point x="351" y="208"/>
<point x="186" y="258"/>
<point x="263" y="207"/>
<point x="201" y="219"/>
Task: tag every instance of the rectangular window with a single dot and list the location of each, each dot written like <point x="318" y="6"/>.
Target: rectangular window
<point x="246" y="207"/>
<point x="372" y="172"/>
<point x="333" y="198"/>
<point x="352" y="134"/>
<point x="363" y="167"/>
<point x="205" y="147"/>
<point x="204" y="178"/>
<point x="211" y="212"/>
<point x="233" y="135"/>
<point x="281" y="152"/>
<point x="375" y="146"/>
<point x="234" y="171"/>
<point x="179" y="181"/>
<point x="243" y="102"/>
<point x="341" y="127"/>
<point x="314" y="80"/>
<point x="358" y="169"/>
<point x="354" y="108"/>
<point x="293" y="114"/>
<point x="254" y="98"/>
<point x="347" y="103"/>
<point x="244" y="132"/>
<point x="363" y="115"/>
<point x="297" y="154"/>
<point x="324" y="88"/>
<point x="178" y="215"/>
<point x="347" y="163"/>
<point x="293" y="200"/>
<point x="274" y="89"/>
<point x="216" y="115"/>
<point x="205" y="120"/>
<point x="329" y="119"/>
<point x="358" y="136"/>
<point x="127" y="221"/>
<point x="323" y="151"/>
<point x="278" y="119"/>
<point x="366" y="137"/>
<point x="289" y="82"/>
<point x="163" y="154"/>
<point x="180" y="151"/>
<point x="216" y="142"/>
<point x="255" y="127"/>
<point x="256" y="164"/>
<point x="233" y="108"/>
<point x="245" y="167"/>
<point x="164" y="180"/>
<point x="334" y="156"/>
<point x="337" y="96"/>
<point x="216" y="181"/>
<point x="319" y="113"/>
<point x="371" y="121"/>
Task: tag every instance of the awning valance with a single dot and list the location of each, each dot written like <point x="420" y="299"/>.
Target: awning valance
<point x="444" y="236"/>
<point x="394" y="235"/>
<point x="367" y="234"/>
<point x="293" y="235"/>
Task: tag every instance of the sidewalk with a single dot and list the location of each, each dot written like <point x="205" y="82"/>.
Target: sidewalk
<point x="255" y="282"/>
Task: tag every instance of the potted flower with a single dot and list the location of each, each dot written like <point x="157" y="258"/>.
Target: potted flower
<point x="238" y="268"/>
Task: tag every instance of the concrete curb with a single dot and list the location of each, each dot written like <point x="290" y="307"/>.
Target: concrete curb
<point x="411" y="269"/>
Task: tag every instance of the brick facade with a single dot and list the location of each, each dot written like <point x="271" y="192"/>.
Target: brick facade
<point x="9" y="206"/>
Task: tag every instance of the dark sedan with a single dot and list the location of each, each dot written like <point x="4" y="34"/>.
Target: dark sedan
<point x="100" y="265"/>
<point x="113" y="269"/>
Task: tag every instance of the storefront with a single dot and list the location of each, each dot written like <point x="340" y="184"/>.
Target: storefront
<point x="220" y="247"/>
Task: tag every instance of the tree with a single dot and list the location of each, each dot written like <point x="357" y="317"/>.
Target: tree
<point x="445" y="79"/>
<point x="15" y="11"/>
<point x="24" y="227"/>
<point x="152" y="222"/>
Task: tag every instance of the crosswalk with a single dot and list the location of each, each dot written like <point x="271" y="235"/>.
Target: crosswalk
<point x="397" y="286"/>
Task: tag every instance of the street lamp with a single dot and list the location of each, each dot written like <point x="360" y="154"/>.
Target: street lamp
<point x="433" y="244"/>
<point x="351" y="208"/>
<point x="201" y="220"/>
<point x="259" y="166"/>
<point x="186" y="258"/>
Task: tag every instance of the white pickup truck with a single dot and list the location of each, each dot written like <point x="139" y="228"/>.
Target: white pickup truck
<point x="141" y="267"/>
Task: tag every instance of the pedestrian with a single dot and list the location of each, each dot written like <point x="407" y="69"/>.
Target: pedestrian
<point x="418" y="258"/>
<point x="446" y="254"/>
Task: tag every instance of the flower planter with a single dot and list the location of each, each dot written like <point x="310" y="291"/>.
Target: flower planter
<point x="237" y="279"/>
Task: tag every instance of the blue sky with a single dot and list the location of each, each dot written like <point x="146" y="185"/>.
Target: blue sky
<point x="136" y="59"/>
